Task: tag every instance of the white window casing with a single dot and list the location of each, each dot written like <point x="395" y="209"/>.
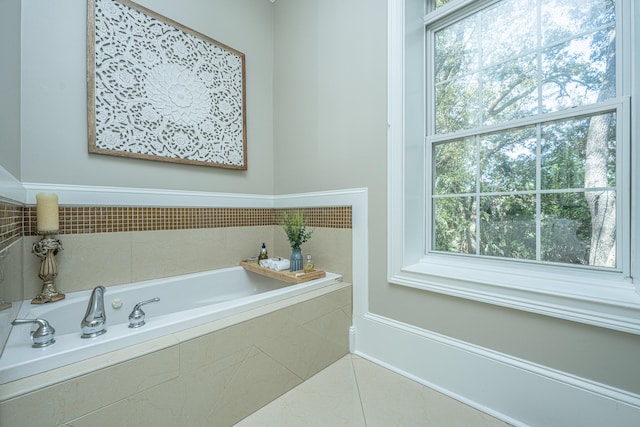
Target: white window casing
<point x="607" y="298"/>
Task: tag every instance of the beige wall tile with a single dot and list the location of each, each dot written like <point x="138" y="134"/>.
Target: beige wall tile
<point x="255" y="381"/>
<point x="74" y="398"/>
<point x="297" y="343"/>
<point x="11" y="272"/>
<point x="156" y="406"/>
<point x="157" y="254"/>
<point x="86" y="260"/>
<point x="219" y="394"/>
<point x="333" y="327"/>
<point x="196" y="354"/>
<point x="169" y="253"/>
<point x="330" y="249"/>
<point x="318" y="307"/>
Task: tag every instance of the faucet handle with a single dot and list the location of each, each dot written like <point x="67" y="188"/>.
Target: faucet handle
<point x="94" y="322"/>
<point x="41" y="337"/>
<point x="136" y="318"/>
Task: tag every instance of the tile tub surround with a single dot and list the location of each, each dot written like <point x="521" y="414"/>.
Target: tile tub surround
<point x="216" y="377"/>
<point x="136" y="256"/>
<point x="113" y="245"/>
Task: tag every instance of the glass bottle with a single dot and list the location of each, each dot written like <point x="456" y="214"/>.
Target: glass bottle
<point x="263" y="253"/>
<point x="308" y="267"/>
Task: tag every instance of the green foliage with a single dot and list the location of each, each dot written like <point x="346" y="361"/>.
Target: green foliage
<point x="508" y="226"/>
<point x="295" y="227"/>
<point x="522" y="193"/>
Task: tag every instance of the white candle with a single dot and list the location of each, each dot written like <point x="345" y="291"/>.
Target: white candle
<point x="47" y="212"/>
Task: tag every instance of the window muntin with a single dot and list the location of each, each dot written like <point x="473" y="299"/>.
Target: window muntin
<point x="518" y="58"/>
<point x="489" y="190"/>
<point x="542" y="191"/>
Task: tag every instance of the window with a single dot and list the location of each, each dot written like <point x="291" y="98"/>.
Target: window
<point x="512" y="182"/>
<point x="522" y="137"/>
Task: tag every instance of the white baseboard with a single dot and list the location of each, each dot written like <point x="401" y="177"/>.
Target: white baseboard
<point x="352" y="339"/>
<point x="514" y="390"/>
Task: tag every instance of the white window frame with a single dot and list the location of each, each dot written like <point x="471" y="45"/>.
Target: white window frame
<point x="592" y="296"/>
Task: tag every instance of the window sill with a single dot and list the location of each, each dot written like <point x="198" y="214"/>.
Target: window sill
<point x="599" y="298"/>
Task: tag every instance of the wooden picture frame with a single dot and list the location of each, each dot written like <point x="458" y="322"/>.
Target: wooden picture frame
<point x="158" y="90"/>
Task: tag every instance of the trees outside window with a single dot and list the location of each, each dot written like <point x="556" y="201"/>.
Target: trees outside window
<point x="523" y="138"/>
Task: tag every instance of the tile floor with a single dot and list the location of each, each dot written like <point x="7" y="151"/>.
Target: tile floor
<point x="355" y="392"/>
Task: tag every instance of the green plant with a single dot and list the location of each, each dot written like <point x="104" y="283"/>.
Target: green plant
<point x="295" y="227"/>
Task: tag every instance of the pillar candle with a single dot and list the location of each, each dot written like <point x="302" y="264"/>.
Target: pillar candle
<point x="47" y="212"/>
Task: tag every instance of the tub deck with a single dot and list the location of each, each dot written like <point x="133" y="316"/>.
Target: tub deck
<point x="186" y="301"/>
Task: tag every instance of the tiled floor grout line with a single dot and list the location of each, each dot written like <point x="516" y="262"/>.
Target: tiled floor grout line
<point x="399" y="402"/>
<point x="355" y="377"/>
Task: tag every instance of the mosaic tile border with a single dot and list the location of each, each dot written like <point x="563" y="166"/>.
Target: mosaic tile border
<point x="11" y="223"/>
<point x="17" y="221"/>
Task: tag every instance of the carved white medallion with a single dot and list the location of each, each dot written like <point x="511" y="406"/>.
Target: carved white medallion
<point x="163" y="91"/>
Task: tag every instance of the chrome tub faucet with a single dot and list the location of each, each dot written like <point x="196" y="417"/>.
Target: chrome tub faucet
<point x="94" y="322"/>
<point x="41" y="337"/>
<point x="136" y="318"/>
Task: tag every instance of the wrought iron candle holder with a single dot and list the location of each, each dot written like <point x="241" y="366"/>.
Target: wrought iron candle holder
<point x="46" y="249"/>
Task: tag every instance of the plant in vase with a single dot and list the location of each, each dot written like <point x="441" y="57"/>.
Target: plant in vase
<point x="295" y="227"/>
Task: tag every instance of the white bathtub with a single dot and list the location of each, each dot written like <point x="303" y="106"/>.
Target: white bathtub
<point x="185" y="301"/>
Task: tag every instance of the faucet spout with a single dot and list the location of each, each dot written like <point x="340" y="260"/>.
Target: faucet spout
<point x="94" y="322"/>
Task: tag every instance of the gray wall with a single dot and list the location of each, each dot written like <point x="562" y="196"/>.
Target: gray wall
<point x="330" y="98"/>
<point x="54" y="118"/>
<point x="10" y="87"/>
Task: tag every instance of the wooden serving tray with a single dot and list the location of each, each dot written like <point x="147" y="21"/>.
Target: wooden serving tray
<point x="286" y="275"/>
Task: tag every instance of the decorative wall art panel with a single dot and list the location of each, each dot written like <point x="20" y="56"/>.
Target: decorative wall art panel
<point x="161" y="91"/>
